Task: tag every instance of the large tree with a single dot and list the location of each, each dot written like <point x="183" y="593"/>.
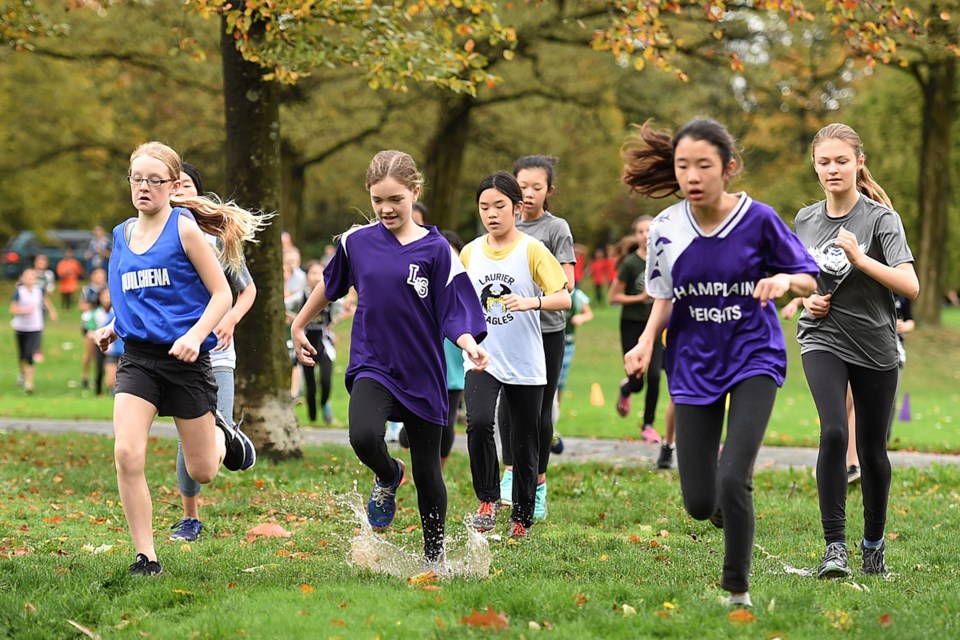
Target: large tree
<point x="272" y="41"/>
<point x="920" y="37"/>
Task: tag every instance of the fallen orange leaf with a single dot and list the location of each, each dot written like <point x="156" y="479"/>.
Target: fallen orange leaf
<point x="886" y="620"/>
<point x="410" y="529"/>
<point x="269" y="530"/>
<point x="305" y="588"/>
<point x="259" y="483"/>
<point x="580" y="599"/>
<point x="740" y="615"/>
<point x="440" y="623"/>
<point x="421" y="579"/>
<point x="490" y="619"/>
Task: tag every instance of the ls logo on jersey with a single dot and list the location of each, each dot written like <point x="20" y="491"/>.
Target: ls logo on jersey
<point x="420" y="284"/>
<point x="831" y="258"/>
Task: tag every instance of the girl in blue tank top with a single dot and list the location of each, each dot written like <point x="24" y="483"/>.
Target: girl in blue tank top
<point x="169" y="292"/>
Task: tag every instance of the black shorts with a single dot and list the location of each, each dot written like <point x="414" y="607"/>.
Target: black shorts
<point x="180" y="389"/>
<point x="28" y="343"/>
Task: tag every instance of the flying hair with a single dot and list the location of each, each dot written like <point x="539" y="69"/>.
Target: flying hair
<point x="228" y="221"/>
<point x="648" y="155"/>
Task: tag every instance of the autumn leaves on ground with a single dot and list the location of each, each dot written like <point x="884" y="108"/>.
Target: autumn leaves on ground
<point x="617" y="558"/>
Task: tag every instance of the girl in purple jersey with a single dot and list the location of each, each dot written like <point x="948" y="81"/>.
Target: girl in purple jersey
<point x="715" y="260"/>
<point x="847" y="336"/>
<point x="412" y="292"/>
<point x="168" y="293"/>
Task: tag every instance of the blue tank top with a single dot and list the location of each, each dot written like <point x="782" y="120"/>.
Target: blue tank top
<point x="157" y="295"/>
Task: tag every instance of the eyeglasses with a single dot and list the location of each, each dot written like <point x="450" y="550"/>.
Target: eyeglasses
<point x="153" y="182"/>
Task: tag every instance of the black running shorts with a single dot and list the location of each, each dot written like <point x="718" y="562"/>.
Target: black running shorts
<point x="180" y="389"/>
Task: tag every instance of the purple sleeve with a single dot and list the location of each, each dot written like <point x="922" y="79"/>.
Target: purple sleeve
<point x="337" y="277"/>
<point x="458" y="307"/>
<point x="784" y="253"/>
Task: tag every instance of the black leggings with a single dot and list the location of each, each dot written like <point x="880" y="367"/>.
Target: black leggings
<point x="630" y="332"/>
<point x="324" y="364"/>
<point x="449" y="431"/>
<point x="874" y="393"/>
<point x="480" y="396"/>
<point x="371" y="404"/>
<point x="553" y="345"/>
<point x="708" y="482"/>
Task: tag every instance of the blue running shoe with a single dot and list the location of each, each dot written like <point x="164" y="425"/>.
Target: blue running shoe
<point x="327" y="413"/>
<point x="187" y="530"/>
<point x="540" y="502"/>
<point x="241" y="454"/>
<point x="382" y="505"/>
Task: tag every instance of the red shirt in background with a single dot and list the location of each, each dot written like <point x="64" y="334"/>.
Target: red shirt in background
<point x="68" y="274"/>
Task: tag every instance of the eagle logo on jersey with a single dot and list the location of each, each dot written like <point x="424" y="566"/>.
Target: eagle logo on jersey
<point x="420" y="284"/>
<point x="831" y="258"/>
<point x="494" y="308"/>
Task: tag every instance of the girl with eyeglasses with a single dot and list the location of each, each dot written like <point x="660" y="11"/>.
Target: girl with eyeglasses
<point x="169" y="293"/>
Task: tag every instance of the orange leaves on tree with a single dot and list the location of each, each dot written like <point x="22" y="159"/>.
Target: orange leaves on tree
<point x="489" y="619"/>
<point x="741" y="615"/>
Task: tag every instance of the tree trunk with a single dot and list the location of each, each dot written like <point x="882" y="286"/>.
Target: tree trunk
<point x="939" y="111"/>
<point x="293" y="186"/>
<point x="252" y="109"/>
<point x="444" y="161"/>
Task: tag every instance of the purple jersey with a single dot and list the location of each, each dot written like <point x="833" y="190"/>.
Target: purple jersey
<point x="409" y="298"/>
<point x="719" y="334"/>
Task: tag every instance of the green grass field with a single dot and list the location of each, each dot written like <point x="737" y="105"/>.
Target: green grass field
<point x="617" y="558"/>
<point x="615" y="538"/>
<point x="930" y="378"/>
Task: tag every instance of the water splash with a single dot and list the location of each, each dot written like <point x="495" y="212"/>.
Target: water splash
<point x="467" y="556"/>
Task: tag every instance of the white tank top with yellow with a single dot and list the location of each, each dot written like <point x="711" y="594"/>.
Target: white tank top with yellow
<point x="525" y="268"/>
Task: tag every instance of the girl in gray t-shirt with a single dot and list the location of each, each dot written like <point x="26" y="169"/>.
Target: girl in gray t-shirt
<point x="847" y="335"/>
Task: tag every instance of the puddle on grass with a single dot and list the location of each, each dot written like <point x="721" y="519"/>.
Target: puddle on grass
<point x="467" y="555"/>
<point x="806" y="573"/>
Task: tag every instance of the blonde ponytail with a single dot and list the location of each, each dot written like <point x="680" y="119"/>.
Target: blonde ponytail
<point x="228" y="221"/>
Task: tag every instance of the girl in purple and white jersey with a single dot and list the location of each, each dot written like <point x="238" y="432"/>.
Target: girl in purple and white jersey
<point x="714" y="261"/>
<point x="412" y="292"/>
<point x="848" y="336"/>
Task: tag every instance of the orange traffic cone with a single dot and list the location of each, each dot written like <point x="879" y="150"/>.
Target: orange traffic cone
<point x="596" y="395"/>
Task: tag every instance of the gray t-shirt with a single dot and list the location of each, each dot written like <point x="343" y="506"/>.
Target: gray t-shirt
<point x="555" y="233"/>
<point x="860" y="327"/>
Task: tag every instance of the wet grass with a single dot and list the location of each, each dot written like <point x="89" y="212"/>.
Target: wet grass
<point x="615" y="537"/>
